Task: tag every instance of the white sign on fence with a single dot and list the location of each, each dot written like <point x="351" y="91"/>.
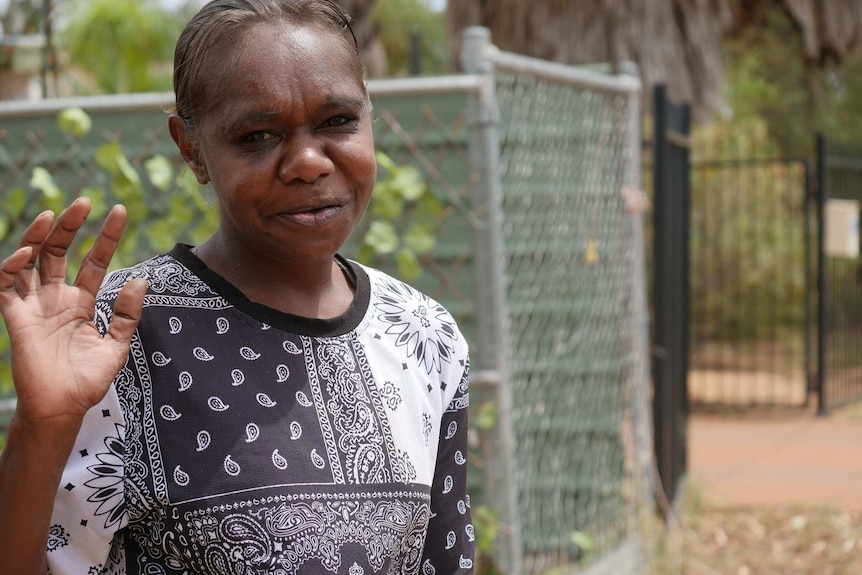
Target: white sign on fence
<point x="842" y="228"/>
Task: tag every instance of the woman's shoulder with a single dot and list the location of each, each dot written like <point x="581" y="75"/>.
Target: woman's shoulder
<point x="390" y="290"/>
<point x="418" y="322"/>
<point x="164" y="273"/>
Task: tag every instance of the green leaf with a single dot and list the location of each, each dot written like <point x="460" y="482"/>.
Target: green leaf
<point x="81" y="249"/>
<point x="388" y="202"/>
<point x="160" y="171"/>
<point x="386" y="162"/>
<point x="74" y="121"/>
<point x="161" y="235"/>
<point x="485" y="417"/>
<point x="43" y="181"/>
<point x="408" y="264"/>
<point x="111" y="158"/>
<point x="107" y="157"/>
<point x="382" y="237"/>
<point x="181" y="213"/>
<point x="129" y="243"/>
<point x="98" y="201"/>
<point x="408" y="181"/>
<point x="4" y="227"/>
<point x="487" y="526"/>
<point x="137" y="209"/>
<point x="365" y="254"/>
<point x="127" y="191"/>
<point x="15" y="202"/>
<point x="201" y="232"/>
<point x="6" y="377"/>
<point x="584" y="541"/>
<point x="188" y="182"/>
<point x="420" y="238"/>
<point x="56" y="205"/>
<point x="431" y="207"/>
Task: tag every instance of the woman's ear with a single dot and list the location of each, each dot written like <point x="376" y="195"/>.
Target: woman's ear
<point x="188" y="148"/>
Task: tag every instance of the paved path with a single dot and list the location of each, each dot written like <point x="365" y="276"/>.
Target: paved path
<point x="789" y="459"/>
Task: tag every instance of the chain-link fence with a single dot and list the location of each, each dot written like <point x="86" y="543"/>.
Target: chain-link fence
<point x="576" y="317"/>
<point x="539" y="256"/>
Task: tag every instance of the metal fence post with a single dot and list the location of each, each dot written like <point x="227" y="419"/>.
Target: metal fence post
<point x="641" y="375"/>
<point x="822" y="325"/>
<point x="671" y="288"/>
<point x="490" y="269"/>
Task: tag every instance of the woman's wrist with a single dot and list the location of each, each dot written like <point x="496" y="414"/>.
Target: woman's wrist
<point x="54" y="434"/>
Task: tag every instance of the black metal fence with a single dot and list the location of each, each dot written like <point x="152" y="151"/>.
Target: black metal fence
<point x="756" y="279"/>
<point x="840" y="277"/>
<point x="750" y="276"/>
<point x="670" y="288"/>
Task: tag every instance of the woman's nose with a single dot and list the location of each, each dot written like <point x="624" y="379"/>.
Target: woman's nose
<point x="305" y="160"/>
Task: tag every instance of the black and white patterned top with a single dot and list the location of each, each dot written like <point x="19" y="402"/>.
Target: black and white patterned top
<point x="241" y="440"/>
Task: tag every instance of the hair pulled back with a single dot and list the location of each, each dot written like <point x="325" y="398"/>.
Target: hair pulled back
<point x="220" y="23"/>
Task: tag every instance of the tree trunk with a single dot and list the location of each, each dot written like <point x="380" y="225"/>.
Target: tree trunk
<point x="674" y="42"/>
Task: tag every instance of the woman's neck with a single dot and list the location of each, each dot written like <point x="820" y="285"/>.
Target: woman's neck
<point x="318" y="289"/>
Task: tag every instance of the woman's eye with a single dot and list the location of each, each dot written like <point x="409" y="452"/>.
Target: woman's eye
<point x="339" y="121"/>
<point x="257" y="137"/>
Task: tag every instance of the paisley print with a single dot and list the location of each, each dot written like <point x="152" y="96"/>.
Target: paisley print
<point x="235" y="442"/>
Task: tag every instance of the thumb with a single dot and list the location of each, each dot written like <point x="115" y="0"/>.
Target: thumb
<point x="127" y="311"/>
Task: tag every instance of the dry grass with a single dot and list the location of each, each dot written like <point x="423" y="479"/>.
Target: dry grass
<point x="715" y="540"/>
<point x="852" y="412"/>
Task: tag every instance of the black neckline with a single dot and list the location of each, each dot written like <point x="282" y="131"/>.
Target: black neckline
<point x="346" y="322"/>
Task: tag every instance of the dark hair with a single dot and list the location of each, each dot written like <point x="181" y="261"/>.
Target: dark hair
<point x="219" y="24"/>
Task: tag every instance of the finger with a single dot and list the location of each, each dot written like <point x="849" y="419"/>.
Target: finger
<point x="9" y="270"/>
<point x="95" y="263"/>
<point x="52" y="259"/>
<point x="32" y="238"/>
<point x="127" y="312"/>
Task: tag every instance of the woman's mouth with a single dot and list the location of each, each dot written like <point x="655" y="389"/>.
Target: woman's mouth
<point x="313" y="216"/>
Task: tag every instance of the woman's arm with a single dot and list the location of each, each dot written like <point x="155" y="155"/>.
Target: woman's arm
<point x="449" y="545"/>
<point x="61" y="366"/>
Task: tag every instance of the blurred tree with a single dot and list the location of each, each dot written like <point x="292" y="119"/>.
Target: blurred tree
<point x="676" y="42"/>
<point x="425" y="25"/>
<point x="22" y="17"/>
<point x="773" y="73"/>
<point x="366" y="33"/>
<point x="123" y="45"/>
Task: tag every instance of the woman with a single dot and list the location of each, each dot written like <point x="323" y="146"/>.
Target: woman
<point x="258" y="403"/>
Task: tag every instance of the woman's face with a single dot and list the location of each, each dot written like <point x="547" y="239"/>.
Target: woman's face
<point x="287" y="143"/>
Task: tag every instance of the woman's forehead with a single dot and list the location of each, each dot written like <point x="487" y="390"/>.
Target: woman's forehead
<point x="282" y="45"/>
<point x="263" y="38"/>
<point x="270" y="70"/>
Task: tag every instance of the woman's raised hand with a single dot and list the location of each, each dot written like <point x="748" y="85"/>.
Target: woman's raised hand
<point x="61" y="365"/>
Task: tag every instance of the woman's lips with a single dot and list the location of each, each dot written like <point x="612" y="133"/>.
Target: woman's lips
<point x="313" y="217"/>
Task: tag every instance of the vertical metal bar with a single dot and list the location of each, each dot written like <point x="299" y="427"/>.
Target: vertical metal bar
<point x="640" y="377"/>
<point x="810" y="382"/>
<point x="822" y="398"/>
<point x="489" y="252"/>
<point x="661" y="414"/>
<point x="415" y="52"/>
<point x="684" y="173"/>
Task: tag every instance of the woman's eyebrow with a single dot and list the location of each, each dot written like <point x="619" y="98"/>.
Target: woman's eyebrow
<point x="237" y="121"/>
<point x="343" y="102"/>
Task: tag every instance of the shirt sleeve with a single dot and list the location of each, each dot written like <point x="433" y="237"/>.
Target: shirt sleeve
<point x="449" y="543"/>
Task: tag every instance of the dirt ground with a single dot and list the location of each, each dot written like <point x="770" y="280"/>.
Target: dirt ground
<point x="715" y="539"/>
<point x="722" y="530"/>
